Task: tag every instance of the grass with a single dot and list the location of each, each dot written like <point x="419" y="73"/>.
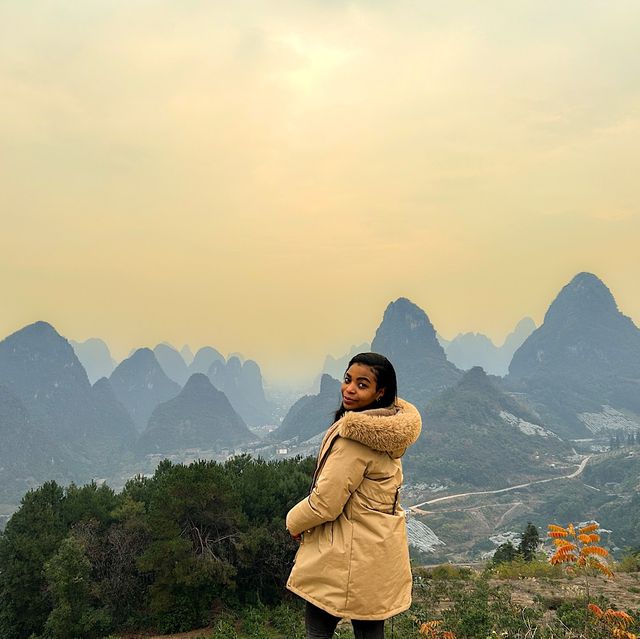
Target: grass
<point x="443" y="572"/>
<point x="520" y="569"/>
<point x="629" y="563"/>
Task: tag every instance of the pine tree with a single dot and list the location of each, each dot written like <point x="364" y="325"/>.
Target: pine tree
<point x="194" y="519"/>
<point x="529" y="542"/>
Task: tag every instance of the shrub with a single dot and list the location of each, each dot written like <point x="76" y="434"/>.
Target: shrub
<point x="552" y="601"/>
<point x="254" y="622"/>
<point x="470" y="616"/>
<point x="519" y="569"/>
<point x="288" y="621"/>
<point x="572" y="615"/>
<point x="444" y="572"/>
<point x="224" y="628"/>
<point x="509" y="619"/>
<point x="504" y="553"/>
<point x="630" y="562"/>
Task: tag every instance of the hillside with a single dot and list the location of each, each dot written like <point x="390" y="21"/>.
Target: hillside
<point x="140" y="385"/>
<point x="83" y="428"/>
<point x="241" y="382"/>
<point x="311" y="414"/>
<point x="28" y="454"/>
<point x="472" y="524"/>
<point x="581" y="368"/>
<point x="476" y="435"/>
<point x="200" y="417"/>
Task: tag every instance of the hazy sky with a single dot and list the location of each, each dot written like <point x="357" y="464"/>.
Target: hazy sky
<point x="265" y="177"/>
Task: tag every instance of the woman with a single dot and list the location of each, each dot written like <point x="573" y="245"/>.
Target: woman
<point x="353" y="560"/>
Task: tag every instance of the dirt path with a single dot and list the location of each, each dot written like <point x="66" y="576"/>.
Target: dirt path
<point x="203" y="633"/>
<point x="505" y="514"/>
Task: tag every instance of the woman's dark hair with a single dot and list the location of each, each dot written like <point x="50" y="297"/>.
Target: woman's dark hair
<point x="385" y="378"/>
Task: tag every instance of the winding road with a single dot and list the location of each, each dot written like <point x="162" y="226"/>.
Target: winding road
<point x="416" y="508"/>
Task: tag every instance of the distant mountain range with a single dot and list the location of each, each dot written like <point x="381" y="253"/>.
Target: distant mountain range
<point x="187" y="355"/>
<point x="204" y="359"/>
<point x="575" y="376"/>
<point x="241" y="382"/>
<point x="95" y="357"/>
<point x="55" y="425"/>
<point x="172" y="363"/>
<point x="311" y="414"/>
<point x="467" y="350"/>
<point x="336" y="367"/>
<point x="140" y="384"/>
<point x="28" y="454"/>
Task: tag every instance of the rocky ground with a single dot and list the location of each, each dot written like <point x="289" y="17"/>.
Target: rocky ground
<point x="623" y="591"/>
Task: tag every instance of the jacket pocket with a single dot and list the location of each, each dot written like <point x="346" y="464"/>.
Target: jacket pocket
<point x="387" y="506"/>
<point x="325" y="536"/>
<point x="380" y="494"/>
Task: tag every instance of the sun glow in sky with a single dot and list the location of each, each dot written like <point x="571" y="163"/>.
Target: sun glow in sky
<point x="266" y="177"/>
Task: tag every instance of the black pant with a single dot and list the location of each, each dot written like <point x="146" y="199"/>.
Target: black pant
<point x="321" y="625"/>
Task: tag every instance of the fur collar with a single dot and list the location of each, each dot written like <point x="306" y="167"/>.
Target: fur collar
<point x="391" y="430"/>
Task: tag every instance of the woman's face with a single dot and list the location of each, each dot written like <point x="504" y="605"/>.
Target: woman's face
<point x="359" y="388"/>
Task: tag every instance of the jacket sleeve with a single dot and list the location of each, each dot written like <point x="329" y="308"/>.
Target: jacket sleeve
<point x="341" y="474"/>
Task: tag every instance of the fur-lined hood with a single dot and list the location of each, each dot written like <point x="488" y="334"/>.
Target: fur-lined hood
<point x="391" y="430"/>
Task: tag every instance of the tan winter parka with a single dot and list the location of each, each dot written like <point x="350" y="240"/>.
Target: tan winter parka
<point x="353" y="560"/>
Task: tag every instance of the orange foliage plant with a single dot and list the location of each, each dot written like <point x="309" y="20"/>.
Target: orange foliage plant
<point x="578" y="548"/>
<point x="616" y="621"/>
<point x="432" y="629"/>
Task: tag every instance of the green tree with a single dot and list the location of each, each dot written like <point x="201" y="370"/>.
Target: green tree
<point x="163" y="553"/>
<point x="123" y="587"/>
<point x="194" y="519"/>
<point x="504" y="552"/>
<point x="265" y="550"/>
<point x="75" y="613"/>
<point x="30" y="539"/>
<point x="90" y="502"/>
<point x="113" y="553"/>
<point x="529" y="542"/>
